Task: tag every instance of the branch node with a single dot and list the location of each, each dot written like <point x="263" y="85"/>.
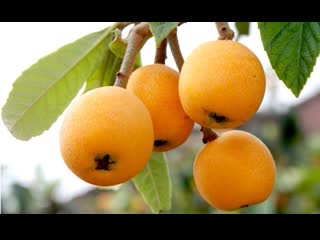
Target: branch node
<point x="225" y="33"/>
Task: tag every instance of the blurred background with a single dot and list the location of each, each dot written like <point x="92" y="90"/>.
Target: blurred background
<point x="34" y="178"/>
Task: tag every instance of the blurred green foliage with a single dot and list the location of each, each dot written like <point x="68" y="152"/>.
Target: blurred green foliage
<point x="38" y="197"/>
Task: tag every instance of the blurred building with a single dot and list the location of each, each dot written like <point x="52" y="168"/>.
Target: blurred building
<point x="308" y="115"/>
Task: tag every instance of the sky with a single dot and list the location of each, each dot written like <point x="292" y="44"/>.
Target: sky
<point x="22" y="44"/>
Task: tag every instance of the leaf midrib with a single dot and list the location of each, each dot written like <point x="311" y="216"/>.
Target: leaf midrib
<point x="45" y="91"/>
<point x="155" y="186"/>
<point x="300" y="55"/>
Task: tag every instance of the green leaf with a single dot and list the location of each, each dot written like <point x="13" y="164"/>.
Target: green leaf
<point x="96" y="79"/>
<point x="154" y="183"/>
<point x="44" y="90"/>
<point x="112" y="67"/>
<point x="138" y="62"/>
<point x="292" y="48"/>
<point x="118" y="45"/>
<point x="160" y="30"/>
<point x="243" y="28"/>
<point x="106" y="72"/>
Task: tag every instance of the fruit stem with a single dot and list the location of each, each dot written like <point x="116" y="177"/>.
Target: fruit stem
<point x="225" y="33"/>
<point x="138" y="36"/>
<point x="175" y="48"/>
<point x="208" y="135"/>
<point x="161" y="52"/>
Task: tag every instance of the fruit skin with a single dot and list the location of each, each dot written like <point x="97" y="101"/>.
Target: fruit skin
<point x="234" y="171"/>
<point x="157" y="86"/>
<point x="222" y="84"/>
<point x="106" y="120"/>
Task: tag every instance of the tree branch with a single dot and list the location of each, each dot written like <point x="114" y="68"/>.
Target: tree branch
<point x="138" y="36"/>
<point x="175" y="48"/>
<point x="161" y="53"/>
<point x="225" y="33"/>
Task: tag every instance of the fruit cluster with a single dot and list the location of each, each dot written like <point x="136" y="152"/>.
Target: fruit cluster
<point x="109" y="133"/>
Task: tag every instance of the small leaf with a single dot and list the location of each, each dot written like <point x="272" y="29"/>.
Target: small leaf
<point x="154" y="183"/>
<point x="44" y="90"/>
<point x="118" y="47"/>
<point x="292" y="48"/>
<point x="243" y="28"/>
<point x="160" y="30"/>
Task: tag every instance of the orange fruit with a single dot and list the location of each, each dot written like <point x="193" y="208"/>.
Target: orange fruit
<point x="157" y="86"/>
<point x="235" y="170"/>
<point x="222" y="84"/>
<point x="106" y="136"/>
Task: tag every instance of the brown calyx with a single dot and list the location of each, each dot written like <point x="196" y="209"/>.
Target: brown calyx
<point x="243" y="206"/>
<point x="218" y="118"/>
<point x="104" y="163"/>
<point x="159" y="143"/>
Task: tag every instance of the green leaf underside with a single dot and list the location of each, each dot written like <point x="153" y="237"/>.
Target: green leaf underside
<point x="160" y="30"/>
<point x="96" y="79"/>
<point x="112" y="67"/>
<point x="243" y="28"/>
<point x="292" y="48"/>
<point x="118" y="46"/>
<point x="105" y="74"/>
<point x="43" y="91"/>
<point x="154" y="183"/>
